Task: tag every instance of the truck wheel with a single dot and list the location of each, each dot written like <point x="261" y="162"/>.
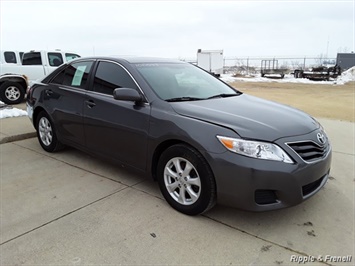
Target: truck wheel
<point x="12" y="92"/>
<point x="296" y="74"/>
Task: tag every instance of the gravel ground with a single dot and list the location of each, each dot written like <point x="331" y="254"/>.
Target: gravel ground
<point x="323" y="100"/>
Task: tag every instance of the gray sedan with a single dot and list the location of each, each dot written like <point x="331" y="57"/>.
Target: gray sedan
<point x="202" y="140"/>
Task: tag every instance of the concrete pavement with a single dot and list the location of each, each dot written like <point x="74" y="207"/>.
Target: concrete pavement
<point x="16" y="128"/>
<point x="69" y="208"/>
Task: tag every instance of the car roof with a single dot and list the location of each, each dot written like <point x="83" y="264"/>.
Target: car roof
<point x="135" y="59"/>
<point x="50" y="51"/>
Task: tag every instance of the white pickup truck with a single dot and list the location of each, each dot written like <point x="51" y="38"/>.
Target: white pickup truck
<point x="18" y="69"/>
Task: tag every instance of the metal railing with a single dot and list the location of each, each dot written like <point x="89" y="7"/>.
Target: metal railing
<point x="251" y="64"/>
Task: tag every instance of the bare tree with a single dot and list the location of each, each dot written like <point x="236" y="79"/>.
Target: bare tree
<point x="343" y="49"/>
<point x="284" y="65"/>
<point x="319" y="60"/>
<point x="239" y="62"/>
<point x="296" y="64"/>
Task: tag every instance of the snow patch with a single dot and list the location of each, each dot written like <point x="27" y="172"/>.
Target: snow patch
<point x="346" y="76"/>
<point x="7" y="111"/>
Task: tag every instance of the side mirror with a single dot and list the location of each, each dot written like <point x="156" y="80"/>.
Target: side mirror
<point x="127" y="94"/>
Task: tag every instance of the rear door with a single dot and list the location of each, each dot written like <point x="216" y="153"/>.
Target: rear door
<point x="64" y="99"/>
<point x="115" y="129"/>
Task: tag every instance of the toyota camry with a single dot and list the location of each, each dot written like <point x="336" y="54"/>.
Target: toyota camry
<point x="202" y="140"/>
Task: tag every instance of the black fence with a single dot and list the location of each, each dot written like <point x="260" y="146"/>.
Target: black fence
<point x="252" y="65"/>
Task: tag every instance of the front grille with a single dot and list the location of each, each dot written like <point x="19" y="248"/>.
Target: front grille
<point x="309" y="150"/>
<point x="263" y="197"/>
<point x="309" y="188"/>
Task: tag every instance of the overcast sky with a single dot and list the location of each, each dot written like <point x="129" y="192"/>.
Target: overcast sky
<point x="178" y="28"/>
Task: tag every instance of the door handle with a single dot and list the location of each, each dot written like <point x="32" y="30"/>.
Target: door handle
<point x="90" y="103"/>
<point x="48" y="92"/>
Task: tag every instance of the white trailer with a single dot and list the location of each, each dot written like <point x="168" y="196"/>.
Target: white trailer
<point x="211" y="61"/>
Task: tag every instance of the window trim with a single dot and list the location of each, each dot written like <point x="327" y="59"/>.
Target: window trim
<point x="65" y="66"/>
<point x="122" y="66"/>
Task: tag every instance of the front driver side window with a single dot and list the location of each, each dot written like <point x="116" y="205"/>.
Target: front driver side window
<point x="110" y="76"/>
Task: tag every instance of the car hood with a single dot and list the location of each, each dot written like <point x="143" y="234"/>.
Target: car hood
<point x="250" y="117"/>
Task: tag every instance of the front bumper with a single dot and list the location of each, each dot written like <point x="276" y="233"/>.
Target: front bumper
<point x="262" y="185"/>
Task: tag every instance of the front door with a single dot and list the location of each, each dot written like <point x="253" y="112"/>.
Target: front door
<point x="115" y="129"/>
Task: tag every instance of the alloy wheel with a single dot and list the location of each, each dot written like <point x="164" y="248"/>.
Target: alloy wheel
<point x="12" y="93"/>
<point x="182" y="181"/>
<point x="45" y="131"/>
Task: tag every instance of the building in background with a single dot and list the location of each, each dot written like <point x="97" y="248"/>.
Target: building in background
<point x="345" y="60"/>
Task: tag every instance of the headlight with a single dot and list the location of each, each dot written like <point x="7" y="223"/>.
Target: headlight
<point x="255" y="149"/>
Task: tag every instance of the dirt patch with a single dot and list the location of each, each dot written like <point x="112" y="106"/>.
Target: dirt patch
<point x="319" y="100"/>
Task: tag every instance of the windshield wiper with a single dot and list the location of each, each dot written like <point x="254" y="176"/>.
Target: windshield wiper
<point x="223" y="95"/>
<point x="182" y="99"/>
<point x="185" y="99"/>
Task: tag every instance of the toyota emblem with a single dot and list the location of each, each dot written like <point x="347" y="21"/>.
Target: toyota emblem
<point x="321" y="138"/>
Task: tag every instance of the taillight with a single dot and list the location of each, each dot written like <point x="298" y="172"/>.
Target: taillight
<point x="29" y="92"/>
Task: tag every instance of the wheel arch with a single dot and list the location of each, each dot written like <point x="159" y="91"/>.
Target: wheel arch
<point x="35" y="115"/>
<point x="160" y="149"/>
<point x="207" y="195"/>
<point x="14" y="78"/>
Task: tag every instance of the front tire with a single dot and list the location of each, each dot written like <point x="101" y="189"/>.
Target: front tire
<point x="186" y="180"/>
<point x="46" y="133"/>
<point x="12" y="92"/>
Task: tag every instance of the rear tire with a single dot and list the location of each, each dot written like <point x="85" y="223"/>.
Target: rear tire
<point x="12" y="92"/>
<point x="186" y="180"/>
<point x="46" y="133"/>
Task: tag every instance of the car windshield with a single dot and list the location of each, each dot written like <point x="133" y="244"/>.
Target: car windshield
<point x="183" y="82"/>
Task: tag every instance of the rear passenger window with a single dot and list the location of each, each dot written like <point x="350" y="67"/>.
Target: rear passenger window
<point x="110" y="76"/>
<point x="75" y="75"/>
<point x="55" y="59"/>
<point x="10" y="57"/>
<point x="33" y="58"/>
<point x="58" y="79"/>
